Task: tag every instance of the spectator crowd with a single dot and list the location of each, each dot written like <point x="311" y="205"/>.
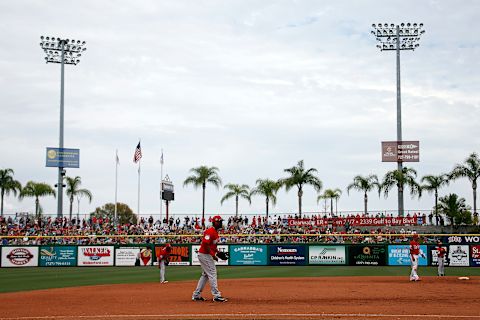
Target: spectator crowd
<point x="242" y="229"/>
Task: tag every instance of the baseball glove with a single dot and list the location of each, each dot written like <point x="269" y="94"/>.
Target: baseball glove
<point x="223" y="255"/>
<point x="167" y="262"/>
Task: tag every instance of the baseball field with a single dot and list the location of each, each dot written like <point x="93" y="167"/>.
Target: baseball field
<point x="254" y="293"/>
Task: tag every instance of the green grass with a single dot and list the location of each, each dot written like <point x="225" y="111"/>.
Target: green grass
<point x="21" y="279"/>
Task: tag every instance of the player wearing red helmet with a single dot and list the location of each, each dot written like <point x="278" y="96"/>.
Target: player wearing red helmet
<point x="207" y="255"/>
<point x="163" y="256"/>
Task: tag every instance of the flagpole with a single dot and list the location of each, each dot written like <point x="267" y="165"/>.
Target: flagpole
<point x="139" y="190"/>
<point x="116" y="185"/>
<point x="161" y="185"/>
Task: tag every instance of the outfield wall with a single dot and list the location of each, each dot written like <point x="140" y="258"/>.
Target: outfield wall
<point x="461" y="251"/>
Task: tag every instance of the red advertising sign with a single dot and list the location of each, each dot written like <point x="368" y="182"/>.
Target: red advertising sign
<point x="337" y="222"/>
<point x="400" y="151"/>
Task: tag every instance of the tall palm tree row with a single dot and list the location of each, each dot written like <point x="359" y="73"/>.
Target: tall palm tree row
<point x="298" y="177"/>
<point x="37" y="190"/>
<point x="73" y="190"/>
<point x="365" y="184"/>
<point x="469" y="169"/>
<point x="267" y="188"/>
<point x="237" y="191"/>
<point x="7" y="185"/>
<point x="199" y="178"/>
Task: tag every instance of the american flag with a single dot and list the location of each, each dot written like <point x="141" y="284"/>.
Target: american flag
<point x="138" y="153"/>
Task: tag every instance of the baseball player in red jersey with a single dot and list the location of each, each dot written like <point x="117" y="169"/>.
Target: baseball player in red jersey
<point x="162" y="258"/>
<point x="414" y="253"/>
<point x="441" y="259"/>
<point x="207" y="255"/>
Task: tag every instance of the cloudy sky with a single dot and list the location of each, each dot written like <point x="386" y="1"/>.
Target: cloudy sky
<point x="248" y="86"/>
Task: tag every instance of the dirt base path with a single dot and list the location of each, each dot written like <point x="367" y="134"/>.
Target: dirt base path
<point x="285" y="298"/>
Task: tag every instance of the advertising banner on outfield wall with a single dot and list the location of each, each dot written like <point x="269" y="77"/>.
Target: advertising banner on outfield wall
<point x="366" y="255"/>
<point x="220" y="262"/>
<point x="133" y="256"/>
<point x="19" y="256"/>
<point x="327" y="255"/>
<point x="459" y="256"/>
<point x="399" y="255"/>
<point x="179" y="256"/>
<point x="475" y="256"/>
<point x="462" y="240"/>
<point x="95" y="256"/>
<point x="248" y="255"/>
<point x="58" y="256"/>
<point x="287" y="255"/>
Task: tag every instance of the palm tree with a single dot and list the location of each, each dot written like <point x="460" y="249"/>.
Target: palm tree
<point x="36" y="190"/>
<point x="237" y="191"/>
<point x="7" y="185"/>
<point x="201" y="176"/>
<point x="400" y="179"/>
<point x="471" y="170"/>
<point x="267" y="188"/>
<point x="299" y="176"/>
<point x="73" y="190"/>
<point x="432" y="184"/>
<point x="365" y="184"/>
<point x="455" y="209"/>
<point x="330" y="194"/>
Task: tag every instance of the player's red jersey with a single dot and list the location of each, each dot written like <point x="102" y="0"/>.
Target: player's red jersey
<point x="414" y="247"/>
<point x="163" y="254"/>
<point x="209" y="242"/>
<point x="441" y="252"/>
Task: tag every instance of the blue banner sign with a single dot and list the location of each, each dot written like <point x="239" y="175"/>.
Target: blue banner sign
<point x="288" y="255"/>
<point x="248" y="255"/>
<point x="58" y="256"/>
<point x="62" y="157"/>
<point x="399" y="255"/>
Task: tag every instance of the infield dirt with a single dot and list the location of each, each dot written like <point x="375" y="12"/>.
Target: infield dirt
<point x="273" y="298"/>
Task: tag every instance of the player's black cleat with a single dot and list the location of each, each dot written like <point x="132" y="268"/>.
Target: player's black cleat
<point x="220" y="299"/>
<point x="198" y="299"/>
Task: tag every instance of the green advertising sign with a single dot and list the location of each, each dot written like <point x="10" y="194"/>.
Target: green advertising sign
<point x="58" y="256"/>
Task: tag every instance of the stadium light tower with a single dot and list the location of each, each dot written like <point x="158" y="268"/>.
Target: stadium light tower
<point x="393" y="37"/>
<point x="63" y="51"/>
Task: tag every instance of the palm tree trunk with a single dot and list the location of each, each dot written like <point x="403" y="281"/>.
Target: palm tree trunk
<point x="37" y="202"/>
<point x="71" y="207"/>
<point x="300" y="194"/>
<point x="436" y="207"/>
<point x="331" y="207"/>
<point x="474" y="185"/>
<point x="266" y="204"/>
<point x="1" y="208"/>
<point x="365" y="202"/>
<point x="236" y="206"/>
<point x="203" y="205"/>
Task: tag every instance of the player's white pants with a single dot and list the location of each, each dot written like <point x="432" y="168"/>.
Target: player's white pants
<point x="209" y="273"/>
<point x="414" y="264"/>
<point x="162" y="270"/>
<point x="441" y="266"/>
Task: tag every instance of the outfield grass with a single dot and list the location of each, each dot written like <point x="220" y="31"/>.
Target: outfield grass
<point x="22" y="279"/>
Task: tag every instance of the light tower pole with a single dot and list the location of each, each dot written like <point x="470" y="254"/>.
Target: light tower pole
<point x="63" y="51"/>
<point x="393" y="37"/>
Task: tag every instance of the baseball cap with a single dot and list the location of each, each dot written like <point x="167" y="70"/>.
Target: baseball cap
<point x="217" y="218"/>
